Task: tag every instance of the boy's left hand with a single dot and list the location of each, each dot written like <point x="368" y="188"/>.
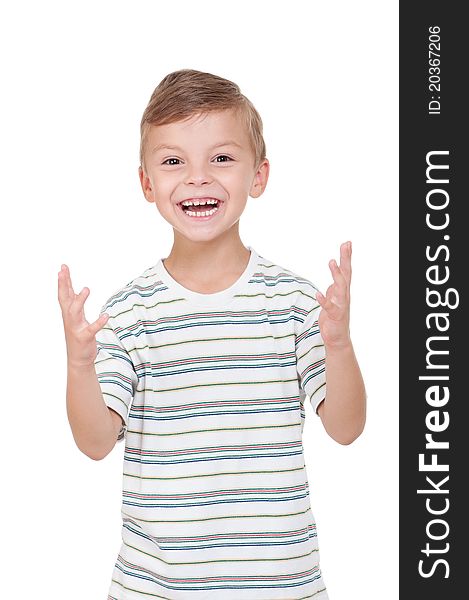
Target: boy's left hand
<point x="335" y="314"/>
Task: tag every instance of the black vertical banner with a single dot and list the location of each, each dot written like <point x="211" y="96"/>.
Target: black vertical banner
<point x="433" y="257"/>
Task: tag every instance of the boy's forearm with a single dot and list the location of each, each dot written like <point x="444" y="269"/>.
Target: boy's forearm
<point x="343" y="412"/>
<point x="92" y="425"/>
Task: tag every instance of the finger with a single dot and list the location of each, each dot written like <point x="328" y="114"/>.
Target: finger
<point x="332" y="309"/>
<point x="65" y="274"/>
<point x="65" y="292"/>
<point x="337" y="296"/>
<point x="321" y="299"/>
<point x="62" y="288"/>
<point x="329" y="300"/>
<point x="338" y="277"/>
<point x="76" y="309"/>
<point x="98" y="324"/>
<point x="80" y="299"/>
<point x="346" y="261"/>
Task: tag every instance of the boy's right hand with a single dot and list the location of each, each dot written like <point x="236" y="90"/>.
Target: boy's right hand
<point x="79" y="334"/>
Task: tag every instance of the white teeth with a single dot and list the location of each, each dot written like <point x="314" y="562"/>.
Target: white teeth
<point x="199" y="202"/>
<point x="205" y="213"/>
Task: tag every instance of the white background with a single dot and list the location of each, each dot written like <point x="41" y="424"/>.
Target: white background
<point x="76" y="77"/>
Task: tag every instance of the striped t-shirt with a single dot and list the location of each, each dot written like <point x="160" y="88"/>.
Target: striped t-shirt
<point x="211" y="389"/>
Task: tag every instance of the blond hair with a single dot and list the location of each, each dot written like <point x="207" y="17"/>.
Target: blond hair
<point x="184" y="93"/>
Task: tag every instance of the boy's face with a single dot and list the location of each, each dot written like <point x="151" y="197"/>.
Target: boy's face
<point x="208" y="156"/>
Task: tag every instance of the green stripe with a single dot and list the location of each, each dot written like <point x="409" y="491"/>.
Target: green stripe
<point x="216" y="429"/>
<point x="221" y="560"/>
<point x="270" y="516"/>
<point x="216" y="474"/>
<point x="233" y="383"/>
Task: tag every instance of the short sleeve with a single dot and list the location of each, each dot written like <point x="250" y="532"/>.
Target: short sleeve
<point x="311" y="357"/>
<point x="116" y="373"/>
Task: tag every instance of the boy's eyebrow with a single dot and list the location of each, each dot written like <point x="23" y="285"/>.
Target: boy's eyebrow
<point x="169" y="147"/>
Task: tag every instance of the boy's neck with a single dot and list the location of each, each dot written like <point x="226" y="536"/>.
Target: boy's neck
<point x="207" y="267"/>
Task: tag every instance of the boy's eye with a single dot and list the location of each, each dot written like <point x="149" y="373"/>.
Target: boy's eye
<point x="177" y="161"/>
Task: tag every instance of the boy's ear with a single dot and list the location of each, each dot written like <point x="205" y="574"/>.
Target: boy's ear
<point x="260" y="179"/>
<point x="145" y="183"/>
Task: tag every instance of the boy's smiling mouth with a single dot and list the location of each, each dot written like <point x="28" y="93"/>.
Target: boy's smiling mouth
<point x="200" y="208"/>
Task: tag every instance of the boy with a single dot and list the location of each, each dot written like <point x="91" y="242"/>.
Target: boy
<point x="203" y="363"/>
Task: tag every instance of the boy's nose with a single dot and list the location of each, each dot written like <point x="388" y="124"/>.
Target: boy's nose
<point x="198" y="176"/>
